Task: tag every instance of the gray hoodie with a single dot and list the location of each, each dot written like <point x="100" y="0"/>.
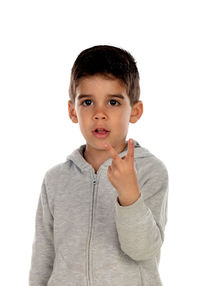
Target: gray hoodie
<point x="84" y="237"/>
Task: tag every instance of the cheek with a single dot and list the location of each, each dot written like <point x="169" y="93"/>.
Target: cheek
<point x="122" y="123"/>
<point x="84" y="121"/>
<point x="122" y="118"/>
<point x="82" y="115"/>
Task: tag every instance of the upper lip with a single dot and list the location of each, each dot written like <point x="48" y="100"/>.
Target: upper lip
<point x="100" y="127"/>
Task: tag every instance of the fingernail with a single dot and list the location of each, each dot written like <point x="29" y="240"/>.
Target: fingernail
<point x="105" y="144"/>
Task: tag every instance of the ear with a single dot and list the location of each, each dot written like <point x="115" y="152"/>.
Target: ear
<point x="136" y="112"/>
<point x="72" y="112"/>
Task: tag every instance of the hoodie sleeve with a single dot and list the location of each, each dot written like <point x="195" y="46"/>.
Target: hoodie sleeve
<point x="141" y="225"/>
<point x="43" y="245"/>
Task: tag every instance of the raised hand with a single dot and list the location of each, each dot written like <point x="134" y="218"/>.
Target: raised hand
<point x="122" y="174"/>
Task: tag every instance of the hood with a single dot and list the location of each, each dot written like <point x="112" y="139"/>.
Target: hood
<point x="77" y="156"/>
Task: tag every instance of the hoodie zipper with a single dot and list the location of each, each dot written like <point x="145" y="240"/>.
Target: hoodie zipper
<point x="90" y="233"/>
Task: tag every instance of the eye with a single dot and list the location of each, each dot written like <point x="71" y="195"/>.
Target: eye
<point x="85" y="101"/>
<point x="114" y="101"/>
<point x="111" y="100"/>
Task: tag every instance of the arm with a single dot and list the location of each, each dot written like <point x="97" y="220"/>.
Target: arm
<point x="141" y="225"/>
<point x="43" y="244"/>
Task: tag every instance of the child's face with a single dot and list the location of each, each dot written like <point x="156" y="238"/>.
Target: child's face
<point x="101" y="108"/>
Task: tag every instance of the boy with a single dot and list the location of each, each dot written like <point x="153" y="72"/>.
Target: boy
<point x="102" y="213"/>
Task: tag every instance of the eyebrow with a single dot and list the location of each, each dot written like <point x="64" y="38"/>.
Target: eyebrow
<point x="109" y="95"/>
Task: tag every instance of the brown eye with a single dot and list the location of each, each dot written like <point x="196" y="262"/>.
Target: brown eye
<point x="85" y="101"/>
<point x="113" y="100"/>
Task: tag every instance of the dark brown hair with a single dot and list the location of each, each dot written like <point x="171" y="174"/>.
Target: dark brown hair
<point x="109" y="61"/>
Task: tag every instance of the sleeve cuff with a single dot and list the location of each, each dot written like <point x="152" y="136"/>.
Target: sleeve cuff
<point x="138" y="209"/>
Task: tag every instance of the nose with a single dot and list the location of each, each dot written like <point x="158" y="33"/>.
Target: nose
<point x="99" y="113"/>
<point x="99" y="116"/>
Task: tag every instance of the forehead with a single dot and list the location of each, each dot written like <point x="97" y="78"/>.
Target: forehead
<point x="99" y="84"/>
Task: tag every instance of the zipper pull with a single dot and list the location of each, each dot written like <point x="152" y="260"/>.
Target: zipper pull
<point x="94" y="179"/>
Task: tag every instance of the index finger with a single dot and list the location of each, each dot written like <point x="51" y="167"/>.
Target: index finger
<point x="113" y="153"/>
<point x="130" y="153"/>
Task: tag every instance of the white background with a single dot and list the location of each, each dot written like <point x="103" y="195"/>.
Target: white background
<point x="39" y="43"/>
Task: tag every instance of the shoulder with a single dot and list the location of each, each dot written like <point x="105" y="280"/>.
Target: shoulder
<point x="156" y="166"/>
<point x="150" y="166"/>
<point x="54" y="179"/>
<point x="152" y="177"/>
<point x="56" y="174"/>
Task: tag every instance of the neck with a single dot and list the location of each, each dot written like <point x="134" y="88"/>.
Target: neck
<point x="97" y="157"/>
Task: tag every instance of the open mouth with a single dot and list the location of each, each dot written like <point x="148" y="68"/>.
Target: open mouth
<point x="101" y="131"/>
